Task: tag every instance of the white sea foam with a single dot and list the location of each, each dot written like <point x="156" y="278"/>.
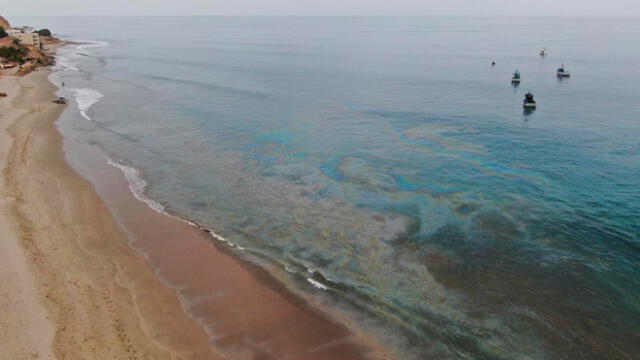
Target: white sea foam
<point x="88" y="44"/>
<point x="317" y="284"/>
<point x="66" y="59"/>
<point x="217" y="237"/>
<point x="137" y="185"/>
<point x="86" y="98"/>
<point x="66" y="64"/>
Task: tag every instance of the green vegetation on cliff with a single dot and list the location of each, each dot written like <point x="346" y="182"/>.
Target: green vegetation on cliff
<point x="13" y="54"/>
<point x="44" y="32"/>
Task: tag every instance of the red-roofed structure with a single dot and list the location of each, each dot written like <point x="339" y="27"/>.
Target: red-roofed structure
<point x="8" y="65"/>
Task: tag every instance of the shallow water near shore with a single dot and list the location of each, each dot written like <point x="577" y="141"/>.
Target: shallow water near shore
<point x="388" y="169"/>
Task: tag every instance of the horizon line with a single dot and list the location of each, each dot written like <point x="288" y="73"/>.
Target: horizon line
<point x="335" y="15"/>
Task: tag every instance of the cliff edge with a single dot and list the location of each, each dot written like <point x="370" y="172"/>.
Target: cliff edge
<point x="4" y="23"/>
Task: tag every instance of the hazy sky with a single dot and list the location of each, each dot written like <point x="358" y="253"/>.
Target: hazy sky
<point x="321" y="7"/>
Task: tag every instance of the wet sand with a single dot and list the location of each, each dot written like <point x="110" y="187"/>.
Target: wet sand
<point x="82" y="291"/>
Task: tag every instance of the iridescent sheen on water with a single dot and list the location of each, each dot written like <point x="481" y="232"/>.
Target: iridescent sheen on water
<point x="386" y="159"/>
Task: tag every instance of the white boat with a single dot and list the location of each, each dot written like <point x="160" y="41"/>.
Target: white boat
<point x="528" y="102"/>
<point x="516" y="78"/>
<point x="544" y="52"/>
<point x="562" y="72"/>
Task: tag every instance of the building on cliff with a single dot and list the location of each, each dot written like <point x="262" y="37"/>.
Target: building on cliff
<point x="28" y="39"/>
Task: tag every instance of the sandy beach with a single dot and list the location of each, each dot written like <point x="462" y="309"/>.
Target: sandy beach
<point x="72" y="287"/>
<point x="69" y="278"/>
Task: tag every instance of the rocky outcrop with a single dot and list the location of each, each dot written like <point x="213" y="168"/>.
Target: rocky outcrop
<point x="4" y="23"/>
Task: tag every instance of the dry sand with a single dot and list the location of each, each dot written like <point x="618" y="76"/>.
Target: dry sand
<point x="25" y="328"/>
<point x="71" y="287"/>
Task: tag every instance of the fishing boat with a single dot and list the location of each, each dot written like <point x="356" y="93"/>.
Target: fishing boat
<point x="544" y="52"/>
<point x="562" y="72"/>
<point x="515" y="79"/>
<point x="528" y="102"/>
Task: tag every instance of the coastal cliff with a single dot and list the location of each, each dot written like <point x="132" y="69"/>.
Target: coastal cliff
<point x="4" y="23"/>
<point x="28" y="55"/>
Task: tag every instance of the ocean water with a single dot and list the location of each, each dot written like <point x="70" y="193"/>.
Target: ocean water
<point x="388" y="168"/>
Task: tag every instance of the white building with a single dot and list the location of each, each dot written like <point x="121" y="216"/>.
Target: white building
<point x="29" y="39"/>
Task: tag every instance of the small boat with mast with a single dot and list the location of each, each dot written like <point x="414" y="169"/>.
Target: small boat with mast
<point x="544" y="52"/>
<point x="516" y="78"/>
<point x="529" y="103"/>
<point x="563" y="72"/>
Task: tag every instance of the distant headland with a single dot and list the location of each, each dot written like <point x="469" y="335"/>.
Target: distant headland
<point x="23" y="49"/>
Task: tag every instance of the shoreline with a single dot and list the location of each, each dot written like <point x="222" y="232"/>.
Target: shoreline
<point x="152" y="265"/>
<point x="100" y="298"/>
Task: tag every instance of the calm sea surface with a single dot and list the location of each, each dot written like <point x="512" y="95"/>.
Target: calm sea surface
<point x="389" y="168"/>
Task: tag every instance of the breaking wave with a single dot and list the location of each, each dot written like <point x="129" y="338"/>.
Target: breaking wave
<point x="137" y="185"/>
<point x="317" y="284"/>
<point x="88" y="44"/>
<point x="86" y="98"/>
